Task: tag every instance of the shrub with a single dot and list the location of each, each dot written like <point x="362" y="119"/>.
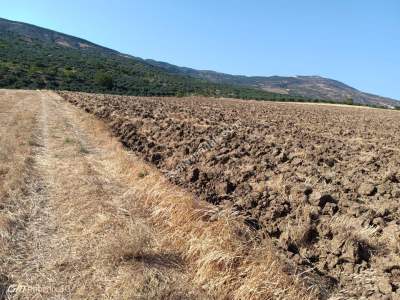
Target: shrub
<point x="104" y="80"/>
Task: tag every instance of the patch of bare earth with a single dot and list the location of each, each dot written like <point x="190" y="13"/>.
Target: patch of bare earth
<point x="85" y="219"/>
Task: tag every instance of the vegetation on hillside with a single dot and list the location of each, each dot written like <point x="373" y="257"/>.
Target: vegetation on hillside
<point x="33" y="63"/>
<point x="38" y="58"/>
<point x="310" y="87"/>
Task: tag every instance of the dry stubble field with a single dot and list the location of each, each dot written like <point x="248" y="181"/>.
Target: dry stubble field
<point x="322" y="182"/>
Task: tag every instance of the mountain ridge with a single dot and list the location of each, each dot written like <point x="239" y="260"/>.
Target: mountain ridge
<point x="309" y="86"/>
<point x="35" y="57"/>
<point x="152" y="77"/>
<point x="48" y="35"/>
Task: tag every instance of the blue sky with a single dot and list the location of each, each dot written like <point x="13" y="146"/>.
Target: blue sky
<point x="354" y="41"/>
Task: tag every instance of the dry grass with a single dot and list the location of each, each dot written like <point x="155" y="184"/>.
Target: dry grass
<point x="15" y="160"/>
<point x="224" y="255"/>
<point x="113" y="227"/>
<point x="17" y="135"/>
<point x="82" y="245"/>
<point x="354" y="228"/>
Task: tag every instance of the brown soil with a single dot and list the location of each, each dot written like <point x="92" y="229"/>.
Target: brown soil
<point x="83" y="218"/>
<point x="322" y="181"/>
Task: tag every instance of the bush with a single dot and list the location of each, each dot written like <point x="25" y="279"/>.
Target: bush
<point x="104" y="80"/>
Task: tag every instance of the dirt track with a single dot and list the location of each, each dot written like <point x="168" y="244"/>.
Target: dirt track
<point x="322" y="181"/>
<point x="83" y="218"/>
<point x="68" y="235"/>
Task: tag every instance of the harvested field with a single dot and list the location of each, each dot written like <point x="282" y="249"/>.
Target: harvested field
<point x="323" y="182"/>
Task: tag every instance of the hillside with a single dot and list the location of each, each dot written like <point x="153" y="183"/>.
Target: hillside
<point x="314" y="87"/>
<point x="34" y="57"/>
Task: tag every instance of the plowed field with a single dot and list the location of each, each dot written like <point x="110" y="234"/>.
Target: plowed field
<point x="322" y="181"/>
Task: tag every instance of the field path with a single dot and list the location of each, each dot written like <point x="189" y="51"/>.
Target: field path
<point x="83" y="218"/>
<point x="79" y="242"/>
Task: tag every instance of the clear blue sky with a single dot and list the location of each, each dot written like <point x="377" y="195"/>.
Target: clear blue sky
<point x="354" y="41"/>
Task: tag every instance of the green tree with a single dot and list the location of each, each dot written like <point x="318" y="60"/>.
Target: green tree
<point x="105" y="80"/>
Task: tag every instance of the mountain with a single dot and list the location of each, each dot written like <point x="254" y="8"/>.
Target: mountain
<point x="35" y="57"/>
<point x="314" y="87"/>
<point x="32" y="32"/>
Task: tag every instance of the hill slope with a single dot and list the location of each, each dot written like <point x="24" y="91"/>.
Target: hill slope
<point x="314" y="87"/>
<point x="34" y="57"/>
